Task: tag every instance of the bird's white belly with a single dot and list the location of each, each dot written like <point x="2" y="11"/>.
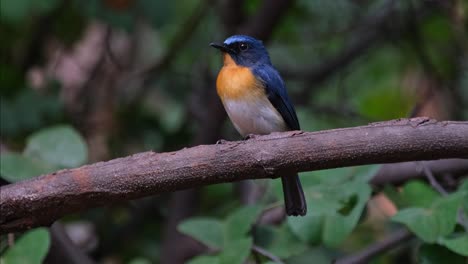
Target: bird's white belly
<point x="254" y="116"/>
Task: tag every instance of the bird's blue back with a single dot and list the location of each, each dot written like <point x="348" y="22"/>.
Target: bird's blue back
<point x="276" y="92"/>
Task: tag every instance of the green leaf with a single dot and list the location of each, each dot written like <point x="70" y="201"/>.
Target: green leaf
<point x="308" y="228"/>
<point x="15" y="167"/>
<point x="239" y="222"/>
<point x="206" y="230"/>
<point x="334" y="212"/>
<point x="418" y="194"/>
<point x="205" y="260"/>
<point x="30" y="248"/>
<point x="364" y="173"/>
<point x="430" y="224"/>
<point x="61" y="146"/>
<point x="237" y="251"/>
<point x="435" y="254"/>
<point x="464" y="189"/>
<point x="279" y="240"/>
<point x="458" y="244"/>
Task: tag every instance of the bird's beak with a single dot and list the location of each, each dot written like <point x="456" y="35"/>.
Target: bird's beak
<point x="221" y="47"/>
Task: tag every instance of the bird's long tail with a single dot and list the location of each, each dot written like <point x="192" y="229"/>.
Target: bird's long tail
<point x="294" y="199"/>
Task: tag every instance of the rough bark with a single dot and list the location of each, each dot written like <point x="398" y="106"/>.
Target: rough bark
<point x="42" y="200"/>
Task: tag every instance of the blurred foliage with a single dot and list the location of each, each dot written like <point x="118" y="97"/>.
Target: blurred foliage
<point x="36" y="111"/>
<point x="30" y="248"/>
<point x="434" y="222"/>
<point x="41" y="129"/>
<point x="47" y="150"/>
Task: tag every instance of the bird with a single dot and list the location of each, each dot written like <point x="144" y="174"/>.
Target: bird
<point x="255" y="98"/>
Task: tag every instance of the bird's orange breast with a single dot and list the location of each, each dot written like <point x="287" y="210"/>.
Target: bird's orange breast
<point x="237" y="82"/>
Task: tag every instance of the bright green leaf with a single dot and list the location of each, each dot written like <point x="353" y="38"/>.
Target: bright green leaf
<point x="30" y="248"/>
<point x="430" y="224"/>
<point x="334" y="212"/>
<point x="457" y="244"/>
<point x="435" y="254"/>
<point x="237" y="251"/>
<point x="239" y="222"/>
<point x="279" y="240"/>
<point x="463" y="189"/>
<point x="418" y="194"/>
<point x="464" y="186"/>
<point x="308" y="228"/>
<point x="15" y="167"/>
<point x="364" y="173"/>
<point x="206" y="230"/>
<point x="60" y="145"/>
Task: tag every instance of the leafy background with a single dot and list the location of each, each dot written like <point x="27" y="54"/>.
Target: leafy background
<point x="84" y="81"/>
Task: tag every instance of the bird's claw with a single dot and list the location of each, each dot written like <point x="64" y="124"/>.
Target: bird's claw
<point x="221" y="141"/>
<point x="250" y="136"/>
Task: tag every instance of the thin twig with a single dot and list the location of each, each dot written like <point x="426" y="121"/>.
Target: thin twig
<point x="432" y="180"/>
<point x="108" y="49"/>
<point x="267" y="254"/>
<point x="180" y="38"/>
<point x="365" y="255"/>
<point x="435" y="184"/>
<point x="83" y="93"/>
<point x="11" y="239"/>
<point x="63" y="250"/>
<point x="368" y="34"/>
<point x="461" y="219"/>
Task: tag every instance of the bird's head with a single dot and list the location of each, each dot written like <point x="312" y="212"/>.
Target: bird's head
<point x="244" y="50"/>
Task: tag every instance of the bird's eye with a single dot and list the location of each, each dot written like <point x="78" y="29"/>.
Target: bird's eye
<point x="243" y="46"/>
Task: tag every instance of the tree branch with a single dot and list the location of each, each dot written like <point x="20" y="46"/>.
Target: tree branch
<point x="396" y="174"/>
<point x="42" y="200"/>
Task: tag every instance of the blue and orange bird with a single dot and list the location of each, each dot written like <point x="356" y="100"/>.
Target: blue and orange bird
<point x="256" y="101"/>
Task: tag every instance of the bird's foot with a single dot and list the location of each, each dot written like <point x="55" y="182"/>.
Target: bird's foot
<point x="221" y="141"/>
<point x="250" y="136"/>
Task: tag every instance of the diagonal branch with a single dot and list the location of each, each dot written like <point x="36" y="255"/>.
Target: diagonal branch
<point x="181" y="37"/>
<point x="367" y="254"/>
<point x="366" y="36"/>
<point x="42" y="200"/>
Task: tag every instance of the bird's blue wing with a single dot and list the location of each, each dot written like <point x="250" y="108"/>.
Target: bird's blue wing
<point x="277" y="94"/>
